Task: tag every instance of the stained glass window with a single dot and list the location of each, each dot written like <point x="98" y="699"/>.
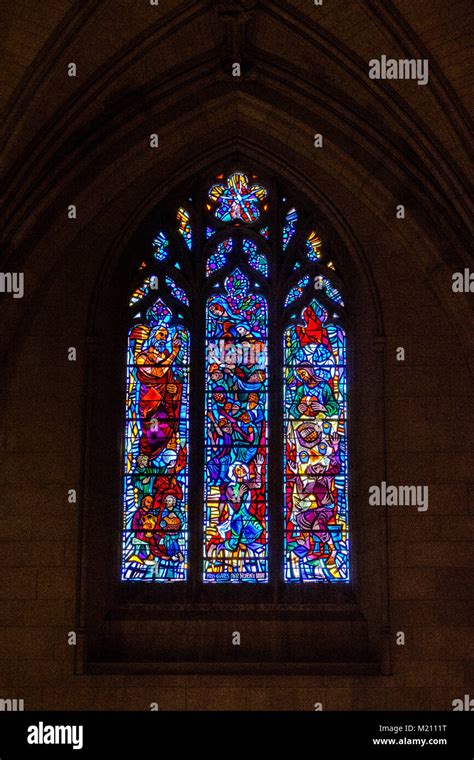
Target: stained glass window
<point x="313" y="247"/>
<point x="298" y="290"/>
<point x="184" y="226"/>
<point x="323" y="284"/>
<point x="289" y="226"/>
<point x="218" y="257"/>
<point x="256" y="258"/>
<point x="225" y="255"/>
<point x="177" y="292"/>
<point x="160" y="244"/>
<point x="237" y="199"/>
<point x="143" y="290"/>
<point x="316" y="510"/>
<point x="155" y="534"/>
<point x="235" y="517"/>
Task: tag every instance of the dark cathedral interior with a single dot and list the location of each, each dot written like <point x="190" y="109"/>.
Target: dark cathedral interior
<point x="236" y="341"/>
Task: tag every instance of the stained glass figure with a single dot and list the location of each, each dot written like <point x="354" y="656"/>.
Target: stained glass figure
<point x="237" y="200"/>
<point x="289" y="227"/>
<point x="184" y="226"/>
<point x="155" y="521"/>
<point x="235" y="498"/>
<point x="315" y="417"/>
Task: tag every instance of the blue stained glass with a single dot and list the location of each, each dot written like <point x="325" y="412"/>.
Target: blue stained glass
<point x="209" y="232"/>
<point x="322" y="283"/>
<point x="218" y="257"/>
<point x="177" y="292"/>
<point x="184" y="226"/>
<point x="264" y="232"/>
<point x="257" y="259"/>
<point x="289" y="227"/>
<point x="235" y="497"/>
<point x="313" y="247"/>
<point x="160" y="246"/>
<point x="237" y="200"/>
<point x="297" y="290"/>
<point x="315" y="412"/>
<point x="155" y="519"/>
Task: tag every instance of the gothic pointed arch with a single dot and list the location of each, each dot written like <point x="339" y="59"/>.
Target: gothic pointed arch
<point x="238" y="268"/>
